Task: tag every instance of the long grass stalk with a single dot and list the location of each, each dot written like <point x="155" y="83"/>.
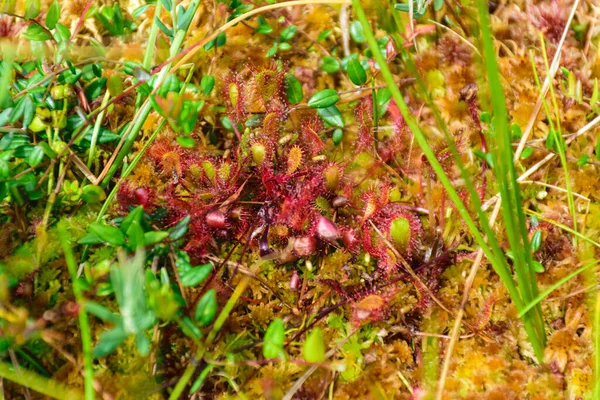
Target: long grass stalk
<point x="560" y="142"/>
<point x="84" y="324"/>
<point x="96" y="131"/>
<point x="40" y="384"/>
<point x="494" y="256"/>
<point x="506" y="177"/>
<point x="149" y="54"/>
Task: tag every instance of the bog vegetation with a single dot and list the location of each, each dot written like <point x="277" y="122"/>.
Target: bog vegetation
<point x="309" y="199"/>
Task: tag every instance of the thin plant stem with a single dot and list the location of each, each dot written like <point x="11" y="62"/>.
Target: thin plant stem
<point x="560" y="144"/>
<point x="596" y="336"/>
<point x="152" y="38"/>
<point x="84" y="325"/>
<point x="513" y="215"/>
<point x="96" y="131"/>
<point x="40" y="384"/>
<point x="129" y="170"/>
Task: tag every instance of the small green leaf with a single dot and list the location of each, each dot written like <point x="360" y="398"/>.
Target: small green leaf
<point x="23" y="105"/>
<point x="168" y="4"/>
<point x="538" y="267"/>
<point x="323" y="35"/>
<point x="135" y="235"/>
<point x="264" y="29"/>
<point x="101" y="312"/>
<point x="487" y="157"/>
<point x="338" y="136"/>
<point x="274" y="339"/>
<point x="207" y="84"/>
<point x="438" y="4"/>
<point x="189" y="116"/>
<point x="356" y="32"/>
<point x="185" y="17"/>
<point x="134" y="215"/>
<point x="53" y="15"/>
<point x="221" y="39"/>
<point x="332" y="116"/>
<point x="163" y="27"/>
<point x="62" y="31"/>
<point x="272" y="51"/>
<point x="142" y="343"/>
<point x="330" y="64"/>
<point x="536" y="240"/>
<point x="108" y="234"/>
<point x="93" y="194"/>
<point x="182" y="261"/>
<point x="154" y="237"/>
<point x="314" y="347"/>
<point x="515" y="132"/>
<point x="356" y="72"/>
<point x="32" y="9"/>
<point x="284" y="46"/>
<point x="6" y="114"/>
<point x="138" y="12"/>
<point x="293" y="89"/>
<point x="109" y="341"/>
<point x="288" y="33"/>
<point x="383" y="96"/>
<point x="582" y="160"/>
<point x="190" y="329"/>
<point x="206" y="308"/>
<point x="180" y="229"/>
<point x="227" y="123"/>
<point x="28" y="111"/>
<point x="323" y="99"/>
<point x="526" y="153"/>
<point x="90" y="239"/>
<point x="186" y="141"/>
<point x="194" y="276"/>
<point x="34" y="158"/>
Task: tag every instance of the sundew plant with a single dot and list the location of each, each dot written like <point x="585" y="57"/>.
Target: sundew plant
<point x="309" y="199"/>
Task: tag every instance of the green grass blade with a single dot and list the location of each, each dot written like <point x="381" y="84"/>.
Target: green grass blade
<point x="84" y="324"/>
<point x="506" y="177"/>
<point x="555" y="286"/>
<point x="560" y="142"/>
<point x="33" y="381"/>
